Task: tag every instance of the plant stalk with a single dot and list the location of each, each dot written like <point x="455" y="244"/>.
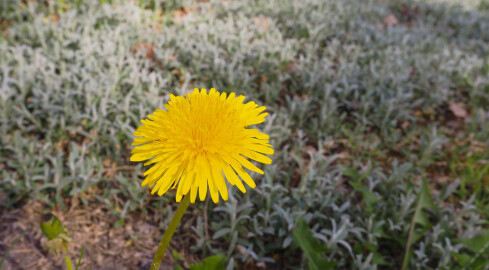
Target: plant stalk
<point x="69" y="264"/>
<point x="165" y="241"/>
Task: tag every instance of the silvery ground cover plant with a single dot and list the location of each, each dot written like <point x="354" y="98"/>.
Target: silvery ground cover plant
<point x="369" y="149"/>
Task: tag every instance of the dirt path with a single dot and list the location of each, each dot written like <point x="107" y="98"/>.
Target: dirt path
<point x="131" y="246"/>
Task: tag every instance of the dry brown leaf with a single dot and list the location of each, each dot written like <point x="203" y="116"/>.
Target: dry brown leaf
<point x="55" y="18"/>
<point x="458" y="110"/>
<point x="261" y="22"/>
<point x="344" y="155"/>
<point x="145" y="49"/>
<point x="180" y="13"/>
<point x="290" y="67"/>
<point x="93" y="133"/>
<point x="311" y="149"/>
<point x="390" y="20"/>
<point x="108" y="162"/>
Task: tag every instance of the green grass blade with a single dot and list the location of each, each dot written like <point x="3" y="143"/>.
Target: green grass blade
<point x="79" y="259"/>
<point x="420" y="218"/>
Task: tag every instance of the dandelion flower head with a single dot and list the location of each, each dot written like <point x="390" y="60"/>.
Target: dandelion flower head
<point x="199" y="141"/>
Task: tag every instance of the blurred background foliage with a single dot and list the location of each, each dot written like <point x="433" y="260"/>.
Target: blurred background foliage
<point x="367" y="99"/>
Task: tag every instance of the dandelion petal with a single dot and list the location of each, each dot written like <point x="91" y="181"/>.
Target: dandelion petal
<point x="200" y="141"/>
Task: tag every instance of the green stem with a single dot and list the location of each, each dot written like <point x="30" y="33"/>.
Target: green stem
<point x="69" y="264"/>
<point x="405" y="262"/>
<point x="165" y="241"/>
<point x="79" y="259"/>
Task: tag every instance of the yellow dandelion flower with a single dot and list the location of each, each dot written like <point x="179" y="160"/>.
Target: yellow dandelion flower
<point x="198" y="140"/>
